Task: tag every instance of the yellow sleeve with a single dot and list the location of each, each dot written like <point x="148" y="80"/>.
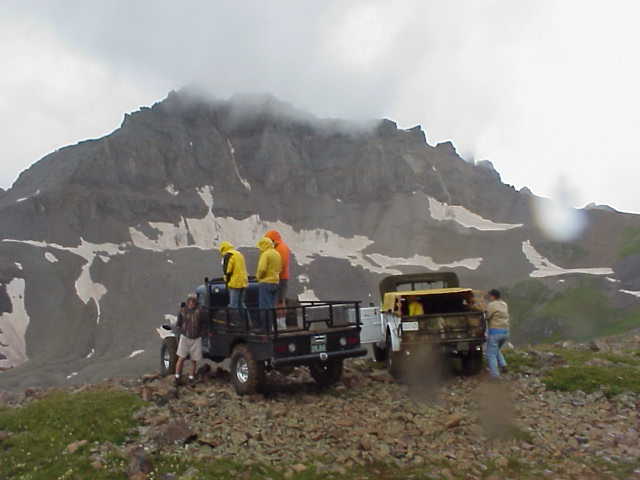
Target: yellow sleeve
<point x="261" y="267"/>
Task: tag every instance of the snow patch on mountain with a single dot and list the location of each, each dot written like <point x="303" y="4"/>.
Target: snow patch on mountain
<point x="22" y="199"/>
<point x="545" y="268"/>
<point x="631" y="292"/>
<point x="171" y="188"/>
<point x="135" y="353"/>
<point x="423" y="261"/>
<point x="232" y="151"/>
<point x="86" y="288"/>
<point x="307" y="245"/>
<point x="444" y="212"/>
<point x="50" y="257"/>
<point x="13" y="327"/>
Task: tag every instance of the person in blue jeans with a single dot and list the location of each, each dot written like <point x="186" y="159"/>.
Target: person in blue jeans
<point x="498" y="321"/>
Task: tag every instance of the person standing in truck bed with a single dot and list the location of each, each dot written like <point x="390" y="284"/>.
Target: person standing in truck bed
<point x="285" y="253"/>
<point x="498" y="321"/>
<point x="268" y="274"/>
<point x="234" y="270"/>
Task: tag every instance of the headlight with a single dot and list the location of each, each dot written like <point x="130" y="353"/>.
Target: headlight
<point x="292" y="348"/>
<point x="343" y="341"/>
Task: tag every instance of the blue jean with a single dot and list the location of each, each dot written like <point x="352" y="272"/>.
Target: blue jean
<point x="236" y="298"/>
<point x="496" y="339"/>
<point x="267" y="295"/>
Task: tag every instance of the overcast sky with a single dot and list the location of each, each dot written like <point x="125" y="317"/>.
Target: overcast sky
<point x="549" y="91"/>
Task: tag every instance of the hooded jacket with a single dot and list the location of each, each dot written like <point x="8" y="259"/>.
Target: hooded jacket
<point x="284" y="251"/>
<point x="233" y="266"/>
<point x="269" y="264"/>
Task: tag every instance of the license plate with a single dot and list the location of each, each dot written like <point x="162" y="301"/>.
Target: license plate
<point x="319" y="347"/>
<point x="410" y="326"/>
<point x="463" y="346"/>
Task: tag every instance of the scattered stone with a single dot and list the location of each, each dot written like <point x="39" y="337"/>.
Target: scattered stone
<point x="453" y="421"/>
<point x="75" y="446"/>
<point x="4" y="436"/>
<point x="139" y="462"/>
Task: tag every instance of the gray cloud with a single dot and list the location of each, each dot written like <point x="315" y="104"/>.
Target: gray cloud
<point x="540" y="88"/>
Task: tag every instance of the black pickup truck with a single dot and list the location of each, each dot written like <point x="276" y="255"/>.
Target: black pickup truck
<point x="317" y="334"/>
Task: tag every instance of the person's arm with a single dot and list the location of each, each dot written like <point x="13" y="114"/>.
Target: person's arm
<point x="262" y="264"/>
<point x="491" y="311"/>
<point x="227" y="267"/>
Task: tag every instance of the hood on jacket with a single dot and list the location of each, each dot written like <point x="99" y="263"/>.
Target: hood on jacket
<point x="274" y="235"/>
<point x="225" y="247"/>
<point x="265" y="244"/>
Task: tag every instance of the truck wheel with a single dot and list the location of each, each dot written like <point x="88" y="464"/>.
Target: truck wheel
<point x="379" y="354"/>
<point x="326" y="373"/>
<point x="168" y="356"/>
<point x="393" y="359"/>
<point x="472" y="363"/>
<point x="247" y="375"/>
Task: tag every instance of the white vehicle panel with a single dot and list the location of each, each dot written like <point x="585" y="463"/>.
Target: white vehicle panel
<point x="371" y="325"/>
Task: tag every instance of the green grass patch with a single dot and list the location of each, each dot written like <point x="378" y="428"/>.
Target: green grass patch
<point x="589" y="379"/>
<point x="520" y="362"/>
<point x="42" y="430"/>
<point x="582" y="312"/>
<point x="630" y="242"/>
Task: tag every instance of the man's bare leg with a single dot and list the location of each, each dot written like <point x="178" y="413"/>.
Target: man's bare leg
<point x="179" y="367"/>
<point x="194" y="365"/>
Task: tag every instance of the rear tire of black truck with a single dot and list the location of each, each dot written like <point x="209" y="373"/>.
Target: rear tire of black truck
<point x="168" y="356"/>
<point x="326" y="373"/>
<point x="472" y="363"/>
<point x="247" y="375"/>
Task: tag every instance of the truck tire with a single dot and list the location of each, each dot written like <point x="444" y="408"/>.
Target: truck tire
<point x="326" y="373"/>
<point x="472" y="363"/>
<point x="247" y="375"/>
<point x="168" y="356"/>
<point x="393" y="360"/>
<point x="379" y="354"/>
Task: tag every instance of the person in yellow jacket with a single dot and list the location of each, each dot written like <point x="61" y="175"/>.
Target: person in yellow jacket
<point x="268" y="274"/>
<point x="415" y="307"/>
<point x="235" y="274"/>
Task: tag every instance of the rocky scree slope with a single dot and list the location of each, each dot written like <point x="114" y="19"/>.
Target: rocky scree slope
<point x="100" y="240"/>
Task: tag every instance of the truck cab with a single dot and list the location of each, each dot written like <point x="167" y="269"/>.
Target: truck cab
<point x="425" y="313"/>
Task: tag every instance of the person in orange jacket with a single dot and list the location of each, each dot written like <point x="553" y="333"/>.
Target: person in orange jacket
<point x="285" y="253"/>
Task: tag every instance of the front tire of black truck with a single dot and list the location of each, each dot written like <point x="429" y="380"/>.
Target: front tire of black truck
<point x="168" y="356"/>
<point x="247" y="374"/>
<point x="326" y="373"/>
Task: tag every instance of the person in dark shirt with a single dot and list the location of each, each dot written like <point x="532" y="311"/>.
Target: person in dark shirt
<point x="190" y="345"/>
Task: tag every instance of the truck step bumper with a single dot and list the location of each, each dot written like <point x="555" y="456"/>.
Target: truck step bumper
<point x="321" y="357"/>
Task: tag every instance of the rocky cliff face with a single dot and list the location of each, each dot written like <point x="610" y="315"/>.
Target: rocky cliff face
<point x="100" y="240"/>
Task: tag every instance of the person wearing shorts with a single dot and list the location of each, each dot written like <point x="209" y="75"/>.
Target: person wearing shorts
<point x="190" y="345"/>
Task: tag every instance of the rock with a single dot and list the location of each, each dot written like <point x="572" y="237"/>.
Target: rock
<point x="453" y="421"/>
<point x="598" y="346"/>
<point x="4" y="436"/>
<point x="191" y="474"/>
<point x="176" y="431"/>
<point x="96" y="465"/>
<point x="139" y="462"/>
<point x="298" y="468"/>
<point x="75" y="446"/>
<point x="146" y="394"/>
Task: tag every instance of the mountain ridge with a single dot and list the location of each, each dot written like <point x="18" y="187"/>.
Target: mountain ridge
<point x="139" y="212"/>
